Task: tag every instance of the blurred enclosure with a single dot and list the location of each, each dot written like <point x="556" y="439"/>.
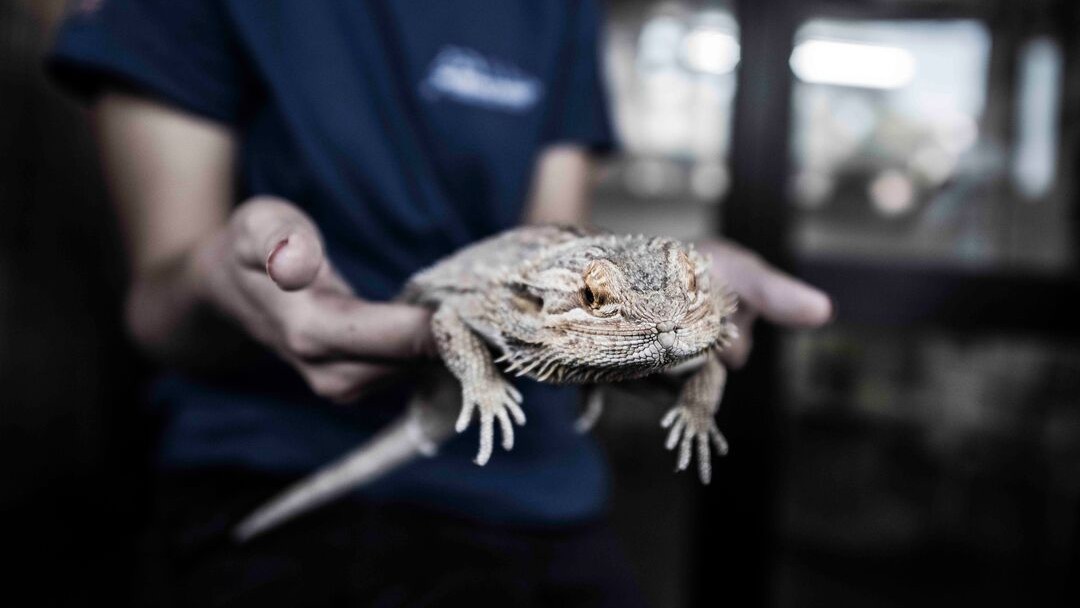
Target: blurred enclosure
<point x="916" y="158"/>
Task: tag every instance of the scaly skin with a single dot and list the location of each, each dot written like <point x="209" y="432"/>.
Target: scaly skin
<point x="560" y="305"/>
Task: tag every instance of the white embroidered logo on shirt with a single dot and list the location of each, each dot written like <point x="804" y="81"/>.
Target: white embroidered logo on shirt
<point x="469" y="77"/>
<point x="84" y="8"/>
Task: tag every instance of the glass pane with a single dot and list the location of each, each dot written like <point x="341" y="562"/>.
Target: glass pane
<point x="924" y="468"/>
<point x="907" y="148"/>
<point x="671" y="70"/>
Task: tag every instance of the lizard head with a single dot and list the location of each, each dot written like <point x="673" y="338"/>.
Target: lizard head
<point x="615" y="308"/>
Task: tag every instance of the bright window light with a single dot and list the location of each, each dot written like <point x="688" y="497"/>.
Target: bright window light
<point x="853" y="64"/>
<point x="1037" y="113"/>
<point x="710" y="51"/>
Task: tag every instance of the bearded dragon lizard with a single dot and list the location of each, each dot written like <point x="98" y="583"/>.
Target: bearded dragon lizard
<point x="557" y="304"/>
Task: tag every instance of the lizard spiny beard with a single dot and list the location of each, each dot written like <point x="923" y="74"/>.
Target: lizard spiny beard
<point x="589" y="353"/>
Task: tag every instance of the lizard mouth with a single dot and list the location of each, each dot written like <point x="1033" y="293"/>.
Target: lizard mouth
<point x="624" y="355"/>
<point x="687" y="364"/>
<point x="679" y="353"/>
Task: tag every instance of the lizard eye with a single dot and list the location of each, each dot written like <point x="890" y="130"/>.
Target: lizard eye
<point x="598" y="303"/>
<point x="595" y="298"/>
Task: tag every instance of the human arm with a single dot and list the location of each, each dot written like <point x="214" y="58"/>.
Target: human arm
<point x="763" y="291"/>
<point x="204" y="275"/>
<point x="560" y="186"/>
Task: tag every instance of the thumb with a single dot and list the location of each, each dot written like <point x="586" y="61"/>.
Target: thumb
<point x="777" y="296"/>
<point x="274" y="236"/>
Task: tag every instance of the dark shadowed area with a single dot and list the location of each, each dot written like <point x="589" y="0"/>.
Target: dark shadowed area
<point x="73" y="435"/>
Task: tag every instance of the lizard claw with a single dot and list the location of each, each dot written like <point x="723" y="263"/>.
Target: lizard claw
<point x="498" y="400"/>
<point x="686" y="427"/>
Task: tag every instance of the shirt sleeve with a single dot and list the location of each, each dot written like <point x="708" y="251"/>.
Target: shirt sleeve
<point x="579" y="102"/>
<point x="182" y="52"/>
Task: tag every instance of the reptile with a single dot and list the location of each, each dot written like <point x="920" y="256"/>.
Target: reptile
<point x="556" y="304"/>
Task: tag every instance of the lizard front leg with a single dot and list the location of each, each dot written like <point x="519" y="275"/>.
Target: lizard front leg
<point x="693" y="417"/>
<point x="483" y="387"/>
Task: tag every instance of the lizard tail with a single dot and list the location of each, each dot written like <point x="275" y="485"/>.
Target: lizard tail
<point x="418" y="432"/>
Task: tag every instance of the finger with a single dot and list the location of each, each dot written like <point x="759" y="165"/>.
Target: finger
<point x="704" y="459"/>
<point x="465" y="415"/>
<point x="514" y="392"/>
<point x="720" y="441"/>
<point x="274" y="236"/>
<point x="329" y="279"/>
<point x="339" y="325"/>
<point x="684" y="452"/>
<point x="345" y="382"/>
<point x="778" y="296"/>
<point x="487" y="438"/>
<point x="737" y="353"/>
<point x="507" y="429"/>
<point x="516" y="412"/>
<point x="369" y="378"/>
<point x="669" y="417"/>
<point x="674" y="433"/>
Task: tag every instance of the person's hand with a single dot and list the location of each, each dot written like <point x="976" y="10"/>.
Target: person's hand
<point x="763" y="291"/>
<point x="266" y="270"/>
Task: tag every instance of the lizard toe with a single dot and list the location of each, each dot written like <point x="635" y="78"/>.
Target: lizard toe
<point x="487" y="439"/>
<point x="507" y="430"/>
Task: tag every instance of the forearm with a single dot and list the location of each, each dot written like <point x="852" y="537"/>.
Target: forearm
<point x="170" y="176"/>
<point x="170" y="318"/>
<point x="560" y="192"/>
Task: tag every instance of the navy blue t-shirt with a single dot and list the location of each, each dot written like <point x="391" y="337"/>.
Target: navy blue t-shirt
<point x="407" y="129"/>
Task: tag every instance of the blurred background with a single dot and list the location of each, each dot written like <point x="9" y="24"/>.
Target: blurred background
<point x="915" y="158"/>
